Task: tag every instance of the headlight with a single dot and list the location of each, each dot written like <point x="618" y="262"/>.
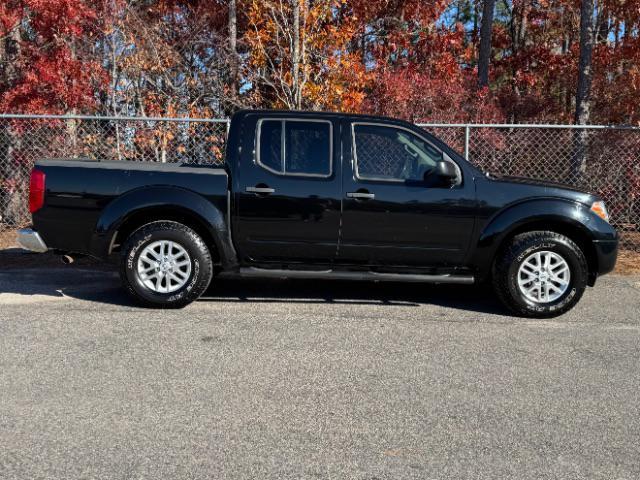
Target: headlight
<point x="600" y="209"/>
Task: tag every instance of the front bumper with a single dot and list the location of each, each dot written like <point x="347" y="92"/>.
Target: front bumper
<point x="607" y="254"/>
<point x="31" y="240"/>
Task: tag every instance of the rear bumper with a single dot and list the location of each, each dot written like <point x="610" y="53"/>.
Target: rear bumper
<point x="607" y="254"/>
<point x="30" y="240"/>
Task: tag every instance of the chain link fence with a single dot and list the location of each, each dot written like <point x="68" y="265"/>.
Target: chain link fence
<point x="598" y="159"/>
<point x="603" y="160"/>
<point x="25" y="139"/>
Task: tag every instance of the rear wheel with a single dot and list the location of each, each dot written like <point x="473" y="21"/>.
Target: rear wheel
<point x="165" y="265"/>
<point x="540" y="274"/>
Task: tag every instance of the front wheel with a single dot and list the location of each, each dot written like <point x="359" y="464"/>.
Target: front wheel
<point x="540" y="274"/>
<point x="165" y="265"/>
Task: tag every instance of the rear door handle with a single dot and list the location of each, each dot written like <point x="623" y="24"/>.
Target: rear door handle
<point x="361" y="195"/>
<point x="263" y="190"/>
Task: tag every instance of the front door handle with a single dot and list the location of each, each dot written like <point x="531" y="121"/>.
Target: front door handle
<point x="261" y="190"/>
<point x="361" y="195"/>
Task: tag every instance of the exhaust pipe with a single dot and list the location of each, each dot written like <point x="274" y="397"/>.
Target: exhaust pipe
<point x="67" y="259"/>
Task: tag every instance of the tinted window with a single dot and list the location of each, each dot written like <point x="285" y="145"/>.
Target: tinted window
<point x="307" y="147"/>
<point x="271" y="144"/>
<point x="389" y="153"/>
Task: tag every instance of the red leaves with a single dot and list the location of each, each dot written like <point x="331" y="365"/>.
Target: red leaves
<point x="52" y="82"/>
<point x="52" y="72"/>
<point x="60" y="17"/>
<point x="424" y="97"/>
<point x="11" y="12"/>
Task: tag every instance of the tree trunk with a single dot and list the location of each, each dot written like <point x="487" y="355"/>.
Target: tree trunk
<point x="475" y="19"/>
<point x="114" y="88"/>
<point x="486" y="29"/>
<point x="72" y="124"/>
<point x="583" y="93"/>
<point x="566" y="89"/>
<point x="295" y="68"/>
<point x="363" y="47"/>
<point x="304" y="71"/>
<point x="233" y="46"/>
<point x="11" y="174"/>
<point x="602" y="30"/>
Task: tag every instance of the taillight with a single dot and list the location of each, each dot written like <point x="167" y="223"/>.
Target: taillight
<point x="36" y="191"/>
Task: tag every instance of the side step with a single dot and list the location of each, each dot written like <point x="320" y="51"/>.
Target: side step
<point x="253" y="272"/>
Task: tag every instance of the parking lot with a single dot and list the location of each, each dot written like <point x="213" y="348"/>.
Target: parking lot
<point x="292" y="379"/>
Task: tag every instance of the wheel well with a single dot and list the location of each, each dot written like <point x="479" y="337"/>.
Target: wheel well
<point x="570" y="231"/>
<point x="173" y="214"/>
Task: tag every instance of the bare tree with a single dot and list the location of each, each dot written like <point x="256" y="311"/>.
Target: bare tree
<point x="284" y="73"/>
<point x="233" y="45"/>
<point x="484" y="54"/>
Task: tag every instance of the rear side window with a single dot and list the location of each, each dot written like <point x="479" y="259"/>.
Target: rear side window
<point x="292" y="147"/>
<point x="271" y="145"/>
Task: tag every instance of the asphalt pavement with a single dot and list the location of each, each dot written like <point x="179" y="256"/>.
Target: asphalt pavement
<point x="296" y="379"/>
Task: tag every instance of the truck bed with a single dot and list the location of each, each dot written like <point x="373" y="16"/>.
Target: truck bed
<point x="80" y="192"/>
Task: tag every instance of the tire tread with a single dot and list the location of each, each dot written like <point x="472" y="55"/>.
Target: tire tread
<point x="160" y="226"/>
<point x="504" y="260"/>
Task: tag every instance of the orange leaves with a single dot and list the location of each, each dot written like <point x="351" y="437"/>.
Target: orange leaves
<point x="300" y="55"/>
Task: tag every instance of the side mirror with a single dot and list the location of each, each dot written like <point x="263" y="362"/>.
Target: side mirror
<point x="447" y="171"/>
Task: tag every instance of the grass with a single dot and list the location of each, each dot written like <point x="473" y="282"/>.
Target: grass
<point x="7" y="239"/>
<point x="628" y="263"/>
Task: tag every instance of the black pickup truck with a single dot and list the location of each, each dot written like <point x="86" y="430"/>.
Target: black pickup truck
<point x="324" y="195"/>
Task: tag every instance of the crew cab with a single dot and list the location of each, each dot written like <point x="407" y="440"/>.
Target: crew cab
<point x="324" y="195"/>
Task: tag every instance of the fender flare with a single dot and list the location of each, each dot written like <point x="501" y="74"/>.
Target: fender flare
<point x="515" y="217"/>
<point x="124" y="207"/>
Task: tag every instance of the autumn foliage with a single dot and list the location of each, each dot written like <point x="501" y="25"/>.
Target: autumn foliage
<point x="410" y="59"/>
<point x="48" y="64"/>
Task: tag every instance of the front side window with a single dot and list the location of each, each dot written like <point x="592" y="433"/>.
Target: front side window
<point x="394" y="154"/>
<point x="292" y="147"/>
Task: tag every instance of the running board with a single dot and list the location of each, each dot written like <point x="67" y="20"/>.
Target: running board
<point x="253" y="272"/>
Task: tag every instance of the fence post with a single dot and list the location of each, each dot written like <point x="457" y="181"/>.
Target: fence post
<point x="467" y="133"/>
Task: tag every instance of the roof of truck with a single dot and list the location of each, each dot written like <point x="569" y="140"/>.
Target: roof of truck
<point x="315" y="113"/>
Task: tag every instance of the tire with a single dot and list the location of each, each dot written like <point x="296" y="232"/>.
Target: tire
<point x="184" y="275"/>
<point x="518" y="262"/>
